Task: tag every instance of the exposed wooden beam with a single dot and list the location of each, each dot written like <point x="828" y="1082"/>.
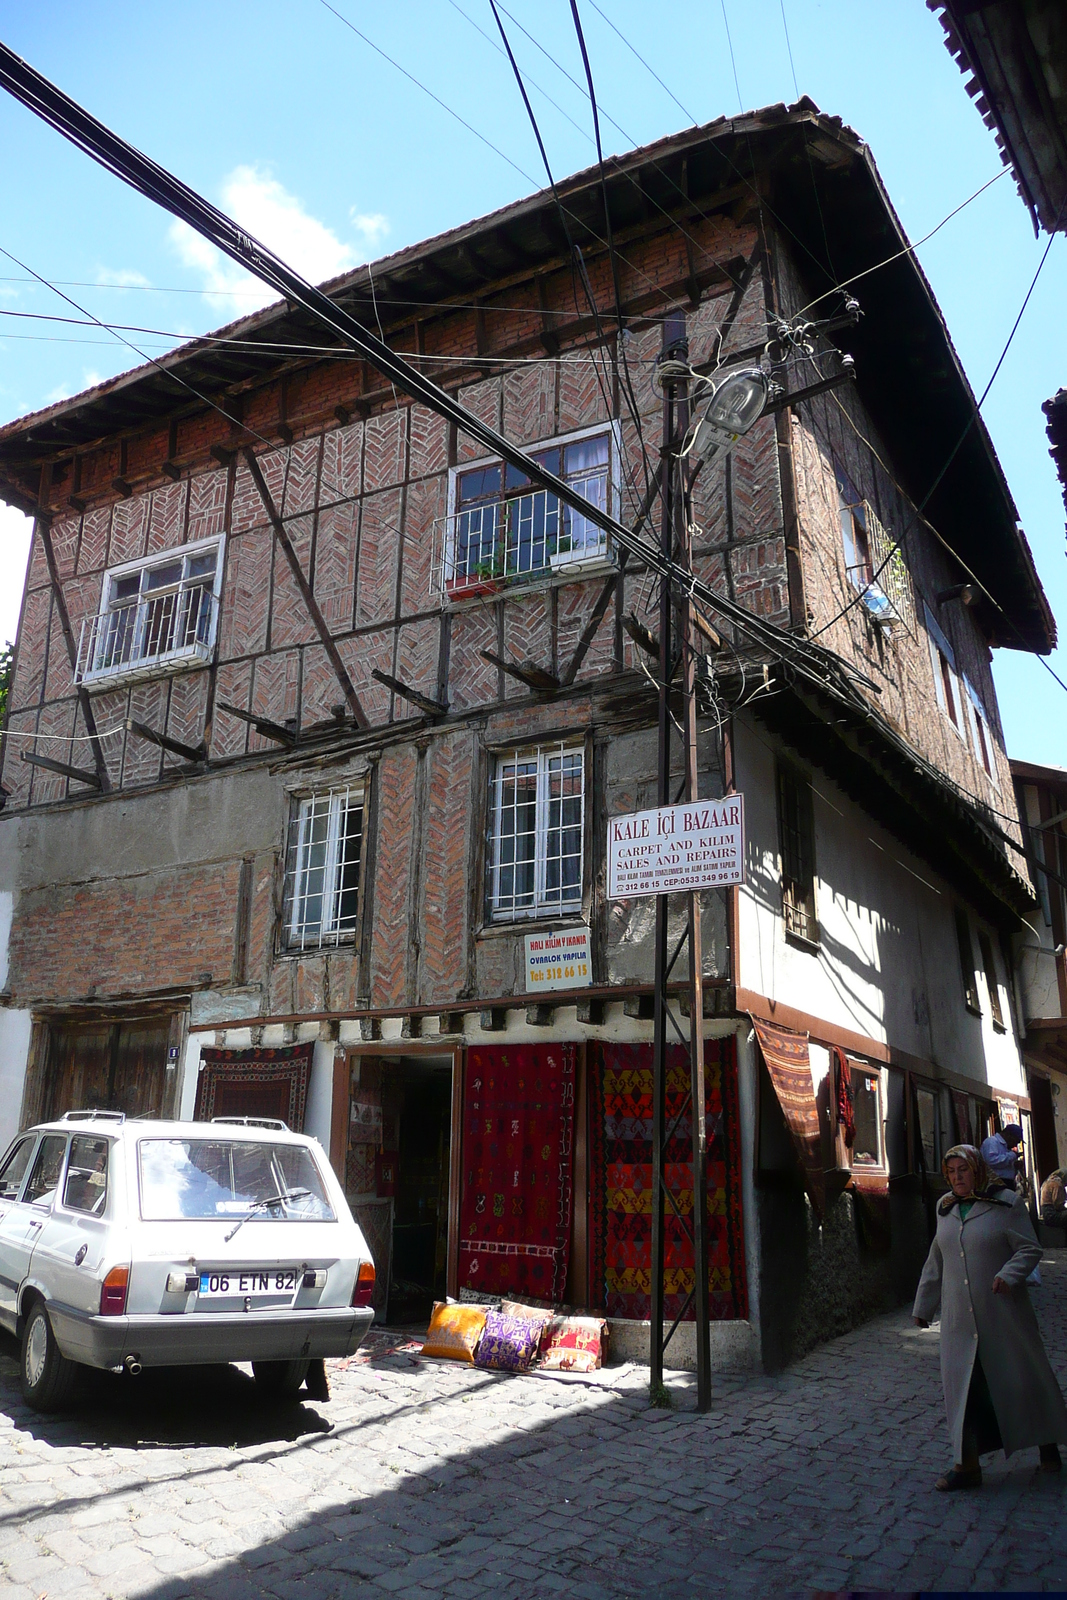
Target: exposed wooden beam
<point x="188" y="752"/>
<point x="529" y="673"/>
<point x="643" y="637"/>
<point x="81" y="774"/>
<point x="432" y="708"/>
<point x="281" y="534"/>
<point x="263" y="725"/>
<point x="171" y="470"/>
<point x="43" y="529"/>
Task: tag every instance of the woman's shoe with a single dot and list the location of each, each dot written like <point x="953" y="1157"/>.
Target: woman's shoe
<point x="960" y="1478"/>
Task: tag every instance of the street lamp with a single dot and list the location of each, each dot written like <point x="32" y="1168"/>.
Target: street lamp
<point x="736" y="402"/>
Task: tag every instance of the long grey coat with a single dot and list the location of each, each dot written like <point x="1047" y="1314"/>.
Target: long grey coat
<point x="996" y="1240"/>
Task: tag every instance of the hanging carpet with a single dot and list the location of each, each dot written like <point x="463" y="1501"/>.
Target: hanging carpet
<point x="786" y="1055"/>
<point x="518" y="1134"/>
<point x="621" y="1181"/>
<point x="254" y="1083"/>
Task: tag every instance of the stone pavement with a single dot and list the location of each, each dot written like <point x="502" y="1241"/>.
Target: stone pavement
<point x="419" y="1477"/>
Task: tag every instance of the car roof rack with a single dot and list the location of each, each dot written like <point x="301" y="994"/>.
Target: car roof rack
<point x="255" y="1122"/>
<point x="93" y="1115"/>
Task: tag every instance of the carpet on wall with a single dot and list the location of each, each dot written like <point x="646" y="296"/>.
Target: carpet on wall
<point x="518" y="1137"/>
<point x="620" y="1079"/>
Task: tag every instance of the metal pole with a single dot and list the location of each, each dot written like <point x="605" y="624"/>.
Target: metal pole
<point x="690" y="651"/>
<point x="673" y="330"/>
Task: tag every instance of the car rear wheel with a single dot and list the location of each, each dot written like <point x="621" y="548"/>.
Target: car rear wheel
<point x="48" y="1378"/>
<point x="281" y="1379"/>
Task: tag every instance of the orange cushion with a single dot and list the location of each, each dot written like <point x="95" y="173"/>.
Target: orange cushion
<point x="454" y="1331"/>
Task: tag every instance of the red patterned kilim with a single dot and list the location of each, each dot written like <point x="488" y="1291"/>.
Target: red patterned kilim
<point x="515" y="1211"/>
<point x="621" y="1182"/>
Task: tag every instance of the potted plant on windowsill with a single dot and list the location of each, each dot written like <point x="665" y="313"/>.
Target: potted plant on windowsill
<point x="485" y="577"/>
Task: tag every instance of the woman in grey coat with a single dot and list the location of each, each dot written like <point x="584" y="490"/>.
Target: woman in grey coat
<point x="1000" y="1391"/>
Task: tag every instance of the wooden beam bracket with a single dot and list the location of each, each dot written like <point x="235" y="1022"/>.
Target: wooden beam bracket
<point x="529" y="673"/>
<point x="270" y="730"/>
<point x="432" y="708"/>
<point x="188" y="752"/>
<point x="80" y="774"/>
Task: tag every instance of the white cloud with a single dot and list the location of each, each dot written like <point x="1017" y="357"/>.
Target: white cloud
<point x="122" y="277"/>
<point x="63" y="391"/>
<point x="15" y="530"/>
<point x="255" y="199"/>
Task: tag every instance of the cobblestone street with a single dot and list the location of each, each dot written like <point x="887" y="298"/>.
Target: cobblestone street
<point x="420" y="1477"/>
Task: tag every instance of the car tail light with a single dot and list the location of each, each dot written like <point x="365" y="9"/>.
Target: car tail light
<point x="113" y="1292"/>
<point x="364" y="1289"/>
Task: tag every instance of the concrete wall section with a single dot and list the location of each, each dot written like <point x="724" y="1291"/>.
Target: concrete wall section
<point x="16" y="1028"/>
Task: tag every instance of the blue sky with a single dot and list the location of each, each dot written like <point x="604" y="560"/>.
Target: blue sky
<point x="285" y="117"/>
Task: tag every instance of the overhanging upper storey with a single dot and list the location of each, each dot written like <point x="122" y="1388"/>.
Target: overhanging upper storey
<point x="799" y="175"/>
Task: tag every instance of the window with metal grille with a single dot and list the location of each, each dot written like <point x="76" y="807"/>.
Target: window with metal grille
<point x="536" y="832"/>
<point x="322" y="869"/>
<point x="156" y="616"/>
<point x="966" y="950"/>
<point x="796" y="838"/>
<point x="503" y="529"/>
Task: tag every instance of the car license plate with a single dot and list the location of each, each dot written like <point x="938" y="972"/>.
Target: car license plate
<point x="225" y="1285"/>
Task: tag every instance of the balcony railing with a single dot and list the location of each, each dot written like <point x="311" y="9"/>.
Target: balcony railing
<point x="526" y="537"/>
<point x="148" y="638"/>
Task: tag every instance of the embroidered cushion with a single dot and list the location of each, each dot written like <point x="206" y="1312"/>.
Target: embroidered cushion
<point x="508" y="1343"/>
<point x="573" y="1344"/>
<point x="541" y="1316"/>
<point x="454" y="1331"/>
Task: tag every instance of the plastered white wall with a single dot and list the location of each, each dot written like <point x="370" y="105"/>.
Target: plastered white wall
<point x="15" y="1030"/>
<point x="887" y="965"/>
<point x="318" y="1113"/>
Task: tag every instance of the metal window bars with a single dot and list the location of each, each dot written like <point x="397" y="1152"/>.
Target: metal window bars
<point x="322" y="869"/>
<point x="881" y="574"/>
<point x="484" y="546"/>
<point x="144" y="637"/>
<point x="536" y="818"/>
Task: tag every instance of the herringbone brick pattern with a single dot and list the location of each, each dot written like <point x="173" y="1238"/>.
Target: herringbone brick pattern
<point x="95" y="535"/>
<point x="65" y="535"/>
<point x="275" y="692"/>
<point x="336" y="539"/>
<point x="129" y="529"/>
<point x="428" y="446"/>
<point x="391" y="942"/>
<point x="385" y="450"/>
<point x="302" y="477"/>
<point x="528" y="633"/>
<point x="471" y="680"/>
<point x="529" y="399"/>
<point x="484" y="400"/>
<point x="320" y="690"/>
<point x="447" y="853"/>
<point x="290" y="620"/>
<point x="167" y="516"/>
<point x="229" y="736"/>
<point x="379" y="545"/>
<point x="207" y="505"/>
<point x="426" y="502"/>
<point x="246" y="603"/>
<point x="342" y="463"/>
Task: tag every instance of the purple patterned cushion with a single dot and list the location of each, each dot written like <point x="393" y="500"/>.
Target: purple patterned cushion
<point x="507" y="1343"/>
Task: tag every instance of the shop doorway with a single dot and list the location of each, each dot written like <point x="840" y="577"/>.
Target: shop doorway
<point x="397" y="1177"/>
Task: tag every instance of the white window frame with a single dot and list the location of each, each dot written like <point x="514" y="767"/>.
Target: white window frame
<point x="546" y="903"/>
<point x="940" y="646"/>
<point x="558" y="564"/>
<point x="329" y="931"/>
<point x="150" y="666"/>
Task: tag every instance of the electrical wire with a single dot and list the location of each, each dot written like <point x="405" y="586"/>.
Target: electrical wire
<point x="66" y="738"/>
<point x="789" y="49"/>
<point x="166" y="371"/>
<point x="909" y="250"/>
<point x="665" y="87"/>
<point x="733" y="59"/>
<point x="620" y="344"/>
<point x="575" y="253"/>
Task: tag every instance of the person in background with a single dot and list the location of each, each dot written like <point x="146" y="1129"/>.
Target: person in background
<point x="1053" y="1199"/>
<point x="1000" y="1152"/>
<point x="1000" y="1391"/>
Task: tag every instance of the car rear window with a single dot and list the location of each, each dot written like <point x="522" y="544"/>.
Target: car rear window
<point x="86" y="1186"/>
<point x="230" y="1178"/>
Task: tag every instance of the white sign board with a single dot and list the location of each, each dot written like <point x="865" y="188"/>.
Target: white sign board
<point x="558" y="961"/>
<point x="697" y="845"/>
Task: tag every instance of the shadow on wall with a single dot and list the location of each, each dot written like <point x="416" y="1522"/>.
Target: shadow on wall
<point x="820" y="1279"/>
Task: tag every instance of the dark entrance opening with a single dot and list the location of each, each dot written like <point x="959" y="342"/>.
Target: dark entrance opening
<point x="397" y="1170"/>
<point x="420" y="1218"/>
<point x="1043" y="1122"/>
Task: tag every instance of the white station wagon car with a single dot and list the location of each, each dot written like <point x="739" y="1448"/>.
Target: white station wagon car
<point x="126" y="1244"/>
